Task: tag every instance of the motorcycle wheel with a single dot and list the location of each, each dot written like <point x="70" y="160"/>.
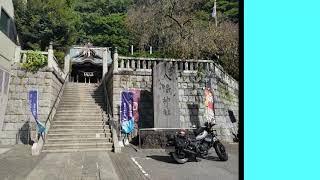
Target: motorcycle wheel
<point x="221" y="151"/>
<point x="179" y="160"/>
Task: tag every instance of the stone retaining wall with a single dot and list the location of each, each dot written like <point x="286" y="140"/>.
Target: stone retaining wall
<point x="191" y="98"/>
<point x="19" y="125"/>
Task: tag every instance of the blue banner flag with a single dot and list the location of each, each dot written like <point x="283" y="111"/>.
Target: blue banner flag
<point x="127" y="118"/>
<point x="33" y="99"/>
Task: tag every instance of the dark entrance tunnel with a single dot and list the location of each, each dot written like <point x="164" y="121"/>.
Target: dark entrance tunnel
<point x="86" y="73"/>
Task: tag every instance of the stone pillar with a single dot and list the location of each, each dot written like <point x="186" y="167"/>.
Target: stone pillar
<point x="67" y="64"/>
<point x="166" y="96"/>
<point x="115" y="60"/>
<point x="105" y="62"/>
<point x="50" y="56"/>
<point x="17" y="54"/>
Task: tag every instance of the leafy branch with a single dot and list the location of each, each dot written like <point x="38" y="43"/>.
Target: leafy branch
<point x="35" y="60"/>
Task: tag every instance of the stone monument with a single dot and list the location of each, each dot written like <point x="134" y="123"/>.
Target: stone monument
<point x="166" y="96"/>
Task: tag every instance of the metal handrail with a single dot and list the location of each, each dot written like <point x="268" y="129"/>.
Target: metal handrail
<point x="64" y="83"/>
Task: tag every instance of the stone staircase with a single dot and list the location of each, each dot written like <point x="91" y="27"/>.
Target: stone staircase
<point x="78" y="123"/>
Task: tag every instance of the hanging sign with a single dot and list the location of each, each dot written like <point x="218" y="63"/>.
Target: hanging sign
<point x="33" y="99"/>
<point x="209" y="105"/>
<point x="127" y="119"/>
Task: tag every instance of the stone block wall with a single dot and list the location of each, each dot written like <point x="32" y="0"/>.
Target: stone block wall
<point x="126" y="80"/>
<point x="191" y="98"/>
<point x="19" y="125"/>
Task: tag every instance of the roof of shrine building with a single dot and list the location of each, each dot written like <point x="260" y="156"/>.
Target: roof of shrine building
<point x="87" y="53"/>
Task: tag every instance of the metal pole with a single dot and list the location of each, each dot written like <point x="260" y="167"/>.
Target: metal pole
<point x="139" y="139"/>
<point x="216" y="17"/>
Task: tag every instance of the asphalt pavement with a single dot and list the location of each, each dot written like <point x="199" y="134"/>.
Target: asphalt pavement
<point x="16" y="163"/>
<point x="158" y="165"/>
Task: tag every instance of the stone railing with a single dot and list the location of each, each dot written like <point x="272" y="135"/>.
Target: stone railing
<point x="122" y="63"/>
<point x="108" y="116"/>
<point x="21" y="57"/>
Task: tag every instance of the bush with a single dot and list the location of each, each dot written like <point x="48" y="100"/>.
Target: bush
<point x="35" y="60"/>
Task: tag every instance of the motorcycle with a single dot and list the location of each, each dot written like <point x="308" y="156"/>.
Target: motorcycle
<point x="205" y="139"/>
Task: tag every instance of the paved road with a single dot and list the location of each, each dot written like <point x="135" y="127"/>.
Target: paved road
<point x="17" y="163"/>
<point x="74" y="166"/>
<point x="160" y="166"/>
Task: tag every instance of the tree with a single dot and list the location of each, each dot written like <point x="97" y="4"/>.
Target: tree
<point x="103" y="23"/>
<point x="184" y="29"/>
<point x="39" y="22"/>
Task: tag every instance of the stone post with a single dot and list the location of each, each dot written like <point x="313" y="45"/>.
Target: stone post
<point x="17" y="54"/>
<point x="131" y="49"/>
<point x="115" y="60"/>
<point x="105" y="62"/>
<point x="67" y="64"/>
<point x="50" y="56"/>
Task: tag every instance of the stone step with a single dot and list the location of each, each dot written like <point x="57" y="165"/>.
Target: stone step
<point x="76" y="140"/>
<point x="82" y="113"/>
<point x="78" y="106"/>
<point x="82" y="86"/>
<point x="81" y="103"/>
<point x="91" y="96"/>
<point x="75" y="150"/>
<point x="75" y="131"/>
<point x="83" y="145"/>
<point x="86" y="115"/>
<point x="79" y="110"/>
<point x="79" y="123"/>
<point x="82" y="89"/>
<point x="95" y="110"/>
<point x="68" y="118"/>
<point x="74" y="126"/>
<point x="57" y="135"/>
<point x="82" y="94"/>
<point x="82" y="97"/>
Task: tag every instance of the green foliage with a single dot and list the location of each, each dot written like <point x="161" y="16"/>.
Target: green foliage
<point x="107" y="31"/>
<point x="225" y="92"/>
<point x="35" y="60"/>
<point x="39" y="22"/>
<point x="60" y="57"/>
<point x="175" y="29"/>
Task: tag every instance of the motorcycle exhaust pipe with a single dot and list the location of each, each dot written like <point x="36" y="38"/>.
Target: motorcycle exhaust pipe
<point x="189" y="151"/>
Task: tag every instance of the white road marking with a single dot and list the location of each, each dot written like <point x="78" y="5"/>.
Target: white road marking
<point x="141" y="158"/>
<point x="139" y="166"/>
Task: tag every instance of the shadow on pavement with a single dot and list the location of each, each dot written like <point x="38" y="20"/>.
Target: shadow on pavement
<point x="166" y="159"/>
<point x="212" y="158"/>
